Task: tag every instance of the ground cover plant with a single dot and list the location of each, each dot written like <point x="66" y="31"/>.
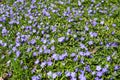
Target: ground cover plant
<point x="60" y="39"/>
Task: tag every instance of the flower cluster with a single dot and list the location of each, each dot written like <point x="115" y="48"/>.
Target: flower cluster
<point x="64" y="40"/>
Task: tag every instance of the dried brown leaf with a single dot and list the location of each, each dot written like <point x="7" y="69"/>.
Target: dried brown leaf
<point x="94" y="51"/>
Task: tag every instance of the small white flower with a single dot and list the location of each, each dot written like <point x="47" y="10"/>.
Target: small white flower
<point x="54" y="75"/>
<point x="79" y="3"/>
<point x="49" y="73"/>
<point x="98" y="68"/>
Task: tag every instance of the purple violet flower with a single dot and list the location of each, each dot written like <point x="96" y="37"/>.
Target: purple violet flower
<point x="29" y="49"/>
<point x="73" y="78"/>
<point x="73" y="55"/>
<point x="40" y="50"/>
<point x="104" y="70"/>
<point x="4" y="31"/>
<point x="114" y="25"/>
<point x="33" y="1"/>
<point x="87" y="53"/>
<point x="61" y="39"/>
<point x="94" y="23"/>
<point x="76" y="58"/>
<point x="33" y="41"/>
<point x="43" y="64"/>
<point x="108" y="58"/>
<point x="99" y="73"/>
<point x="14" y="49"/>
<point x="49" y="73"/>
<point x="59" y="73"/>
<point x="73" y="74"/>
<point x="55" y="56"/>
<point x="102" y="22"/>
<point x="53" y="48"/>
<point x="93" y="34"/>
<point x="1" y="25"/>
<point x="116" y="67"/>
<point x="47" y="51"/>
<point x="113" y="32"/>
<point x="82" y="46"/>
<point x="90" y="11"/>
<point x="45" y="13"/>
<point x="82" y="38"/>
<point x="61" y="57"/>
<point x="90" y="42"/>
<point x="106" y="27"/>
<point x="33" y="70"/>
<point x="35" y="78"/>
<point x="93" y="73"/>
<point x="54" y="75"/>
<point x="67" y="73"/>
<point x="82" y="61"/>
<point x="20" y="0"/>
<point x="88" y="68"/>
<point x="79" y="3"/>
<point x="82" y="77"/>
<point x="17" y="53"/>
<point x="113" y="44"/>
<point x="86" y="28"/>
<point x="97" y="78"/>
<point x="37" y="61"/>
<point x="49" y="63"/>
<point x="3" y="56"/>
<point x="81" y="53"/>
<point x="34" y="54"/>
<point x="25" y="67"/>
